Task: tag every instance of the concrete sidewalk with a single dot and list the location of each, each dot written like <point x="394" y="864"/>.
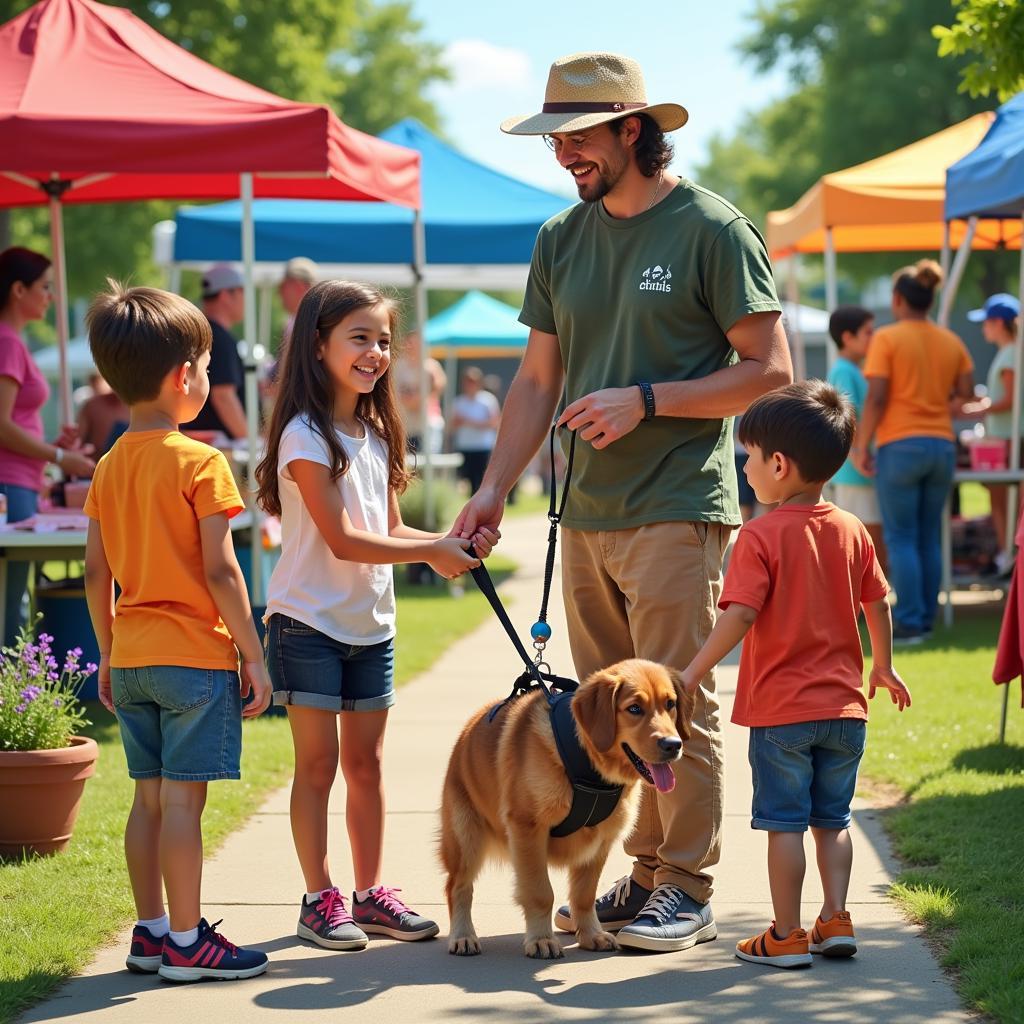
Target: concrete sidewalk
<point x="255" y="885"/>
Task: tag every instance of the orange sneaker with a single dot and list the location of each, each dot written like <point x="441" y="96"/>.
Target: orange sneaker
<point x="834" y="937"/>
<point x="767" y="949"/>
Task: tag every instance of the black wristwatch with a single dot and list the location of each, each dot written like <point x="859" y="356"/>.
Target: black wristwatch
<point x="648" y="393"/>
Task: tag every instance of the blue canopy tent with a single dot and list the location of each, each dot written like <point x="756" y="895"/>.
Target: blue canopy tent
<point x="475" y="327"/>
<point x="480" y="225"/>
<point x="989" y="183"/>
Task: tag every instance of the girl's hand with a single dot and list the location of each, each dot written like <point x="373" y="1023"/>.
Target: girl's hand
<point x="448" y="557"/>
<point x="483" y="540"/>
<point x="253" y="679"/>
<point x="887" y="679"/>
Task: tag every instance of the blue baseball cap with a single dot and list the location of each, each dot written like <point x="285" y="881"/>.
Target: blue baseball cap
<point x="997" y="307"/>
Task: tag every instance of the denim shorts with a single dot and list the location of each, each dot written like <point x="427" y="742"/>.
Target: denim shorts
<point x="805" y="773"/>
<point x="310" y="669"/>
<point x="179" y="723"/>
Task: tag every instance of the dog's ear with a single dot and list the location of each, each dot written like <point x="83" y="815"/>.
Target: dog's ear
<point x="686" y="704"/>
<point x="594" y="707"/>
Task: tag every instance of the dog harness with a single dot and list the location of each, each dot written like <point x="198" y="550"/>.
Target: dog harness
<point x="593" y="799"/>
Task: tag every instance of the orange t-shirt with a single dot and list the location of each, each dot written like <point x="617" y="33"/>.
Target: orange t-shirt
<point x="148" y="495"/>
<point x="922" y="363"/>
<point x="806" y="570"/>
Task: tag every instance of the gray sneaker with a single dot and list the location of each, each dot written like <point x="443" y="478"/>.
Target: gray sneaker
<point x="615" y="909"/>
<point x="383" y="913"/>
<point x="669" y="921"/>
<point x="328" y="923"/>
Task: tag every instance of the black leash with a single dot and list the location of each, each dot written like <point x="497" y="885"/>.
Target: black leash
<point x="540" y="632"/>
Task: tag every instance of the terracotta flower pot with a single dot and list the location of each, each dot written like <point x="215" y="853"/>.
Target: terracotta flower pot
<point x="40" y="791"/>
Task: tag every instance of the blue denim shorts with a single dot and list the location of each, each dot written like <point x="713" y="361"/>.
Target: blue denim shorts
<point x="805" y="773"/>
<point x="179" y="723"/>
<point x="310" y="669"/>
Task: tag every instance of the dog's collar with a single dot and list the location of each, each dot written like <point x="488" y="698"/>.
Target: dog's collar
<point x="593" y="799"/>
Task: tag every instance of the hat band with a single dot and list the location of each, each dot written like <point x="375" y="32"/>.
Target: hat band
<point x="589" y="108"/>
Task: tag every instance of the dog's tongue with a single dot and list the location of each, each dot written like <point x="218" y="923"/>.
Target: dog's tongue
<point x="664" y="779"/>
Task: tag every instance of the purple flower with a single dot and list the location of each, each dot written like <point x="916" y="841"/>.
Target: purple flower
<point x="90" y="667"/>
<point x="57" y="702"/>
<point x="30" y="693"/>
<point x="51" y="662"/>
<point x="52" y="676"/>
<point x="20" y="709"/>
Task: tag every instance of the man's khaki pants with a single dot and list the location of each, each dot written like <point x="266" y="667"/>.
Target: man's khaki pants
<point x="651" y="592"/>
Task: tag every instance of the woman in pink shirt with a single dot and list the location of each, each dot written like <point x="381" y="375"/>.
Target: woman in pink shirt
<point x="25" y="281"/>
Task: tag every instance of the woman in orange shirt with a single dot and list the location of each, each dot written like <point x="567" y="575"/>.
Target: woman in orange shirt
<point x="914" y="367"/>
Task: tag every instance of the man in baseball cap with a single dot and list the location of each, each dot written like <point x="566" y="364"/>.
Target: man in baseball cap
<point x="652" y="303"/>
<point x="222" y="288"/>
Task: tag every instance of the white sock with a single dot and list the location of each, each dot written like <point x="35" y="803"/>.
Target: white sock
<point x="312" y="897"/>
<point x="364" y="894"/>
<point x="158" y="926"/>
<point x="185" y="938"/>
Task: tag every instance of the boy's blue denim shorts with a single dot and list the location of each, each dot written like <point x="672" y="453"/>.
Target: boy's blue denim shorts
<point x="179" y="723"/>
<point x="805" y="773"/>
<point x="310" y="669"/>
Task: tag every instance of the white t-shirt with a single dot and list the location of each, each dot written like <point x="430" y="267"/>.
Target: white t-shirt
<point x="350" y="601"/>
<point x="481" y="408"/>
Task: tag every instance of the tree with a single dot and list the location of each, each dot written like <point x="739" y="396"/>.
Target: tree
<point x="866" y="79"/>
<point x="993" y="32"/>
<point x="368" y="61"/>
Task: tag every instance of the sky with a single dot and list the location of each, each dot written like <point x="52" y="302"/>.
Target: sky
<point x="500" y="53"/>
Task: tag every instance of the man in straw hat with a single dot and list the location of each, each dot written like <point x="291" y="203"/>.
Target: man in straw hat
<point x="652" y="303"/>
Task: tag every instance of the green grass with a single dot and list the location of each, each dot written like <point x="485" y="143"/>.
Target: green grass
<point x="56" y="911"/>
<point x="960" y="829"/>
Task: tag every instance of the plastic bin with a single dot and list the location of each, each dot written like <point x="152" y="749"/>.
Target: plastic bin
<point x="66" y="617"/>
<point x="989" y="455"/>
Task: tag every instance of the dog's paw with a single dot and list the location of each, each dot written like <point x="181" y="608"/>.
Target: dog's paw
<point x="467" y="946"/>
<point x="543" y="949"/>
<point x="598" y="940"/>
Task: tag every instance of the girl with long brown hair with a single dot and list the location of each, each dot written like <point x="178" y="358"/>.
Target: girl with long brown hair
<point x="334" y="467"/>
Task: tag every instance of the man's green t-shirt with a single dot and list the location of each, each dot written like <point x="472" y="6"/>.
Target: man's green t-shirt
<point x="649" y="298"/>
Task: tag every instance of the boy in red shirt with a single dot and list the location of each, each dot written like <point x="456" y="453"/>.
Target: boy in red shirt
<point x="796" y="583"/>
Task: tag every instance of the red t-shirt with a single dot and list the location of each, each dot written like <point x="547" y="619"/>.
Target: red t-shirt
<point x="806" y="570"/>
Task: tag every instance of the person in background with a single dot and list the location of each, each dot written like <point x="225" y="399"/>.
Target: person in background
<point x="224" y="306"/>
<point x="999" y="324"/>
<point x="475" y="418"/>
<point x="851" y="328"/>
<point x="300" y="274"/>
<point x="914" y="368"/>
<point x="407" y="383"/>
<point x="748" y="500"/>
<point x="102" y="417"/>
<point x="25" y="295"/>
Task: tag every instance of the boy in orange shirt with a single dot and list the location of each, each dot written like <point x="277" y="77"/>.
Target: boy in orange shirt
<point x="159" y="507"/>
<point x="796" y="583"/>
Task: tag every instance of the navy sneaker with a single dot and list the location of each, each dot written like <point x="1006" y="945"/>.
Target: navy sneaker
<point x="210" y="956"/>
<point x="383" y="913"/>
<point x="615" y="909"/>
<point x="146" y="953"/>
<point x="670" y="921"/>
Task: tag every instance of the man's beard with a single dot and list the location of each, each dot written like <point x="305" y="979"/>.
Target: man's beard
<point x="606" y="181"/>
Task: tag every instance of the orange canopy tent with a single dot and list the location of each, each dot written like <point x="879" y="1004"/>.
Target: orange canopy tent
<point x="889" y="204"/>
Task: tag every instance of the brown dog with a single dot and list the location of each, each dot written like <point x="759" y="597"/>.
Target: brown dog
<point x="506" y="788"/>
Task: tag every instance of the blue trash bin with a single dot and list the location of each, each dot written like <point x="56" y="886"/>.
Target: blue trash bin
<point x="66" y="617"/>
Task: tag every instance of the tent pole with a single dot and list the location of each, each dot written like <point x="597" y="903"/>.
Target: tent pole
<point x="1013" y="503"/>
<point x="451" y="390"/>
<point x="419" y="250"/>
<point x="831" y="288"/>
<point x="60" y="280"/>
<point x="945" y="254"/>
<point x="793" y="294"/>
<point x="956" y="273"/>
<point x="251" y="390"/>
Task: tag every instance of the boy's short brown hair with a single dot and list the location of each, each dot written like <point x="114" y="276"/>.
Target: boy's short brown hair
<point x="809" y="422"/>
<point x="138" y="335"/>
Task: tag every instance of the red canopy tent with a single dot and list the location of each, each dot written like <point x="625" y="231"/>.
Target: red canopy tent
<point x="97" y="106"/>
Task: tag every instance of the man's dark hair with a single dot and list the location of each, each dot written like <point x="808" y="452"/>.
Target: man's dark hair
<point x="847" y="318"/>
<point x="809" y="422"/>
<point x="138" y="335"/>
<point x="652" y="149"/>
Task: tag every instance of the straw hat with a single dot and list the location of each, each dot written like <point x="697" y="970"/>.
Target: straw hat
<point x="587" y="89"/>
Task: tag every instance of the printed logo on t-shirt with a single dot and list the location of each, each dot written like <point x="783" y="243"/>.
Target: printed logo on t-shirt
<point x="656" y="279"/>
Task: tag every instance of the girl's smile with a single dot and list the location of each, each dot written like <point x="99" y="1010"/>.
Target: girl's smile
<point x="358" y="351"/>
